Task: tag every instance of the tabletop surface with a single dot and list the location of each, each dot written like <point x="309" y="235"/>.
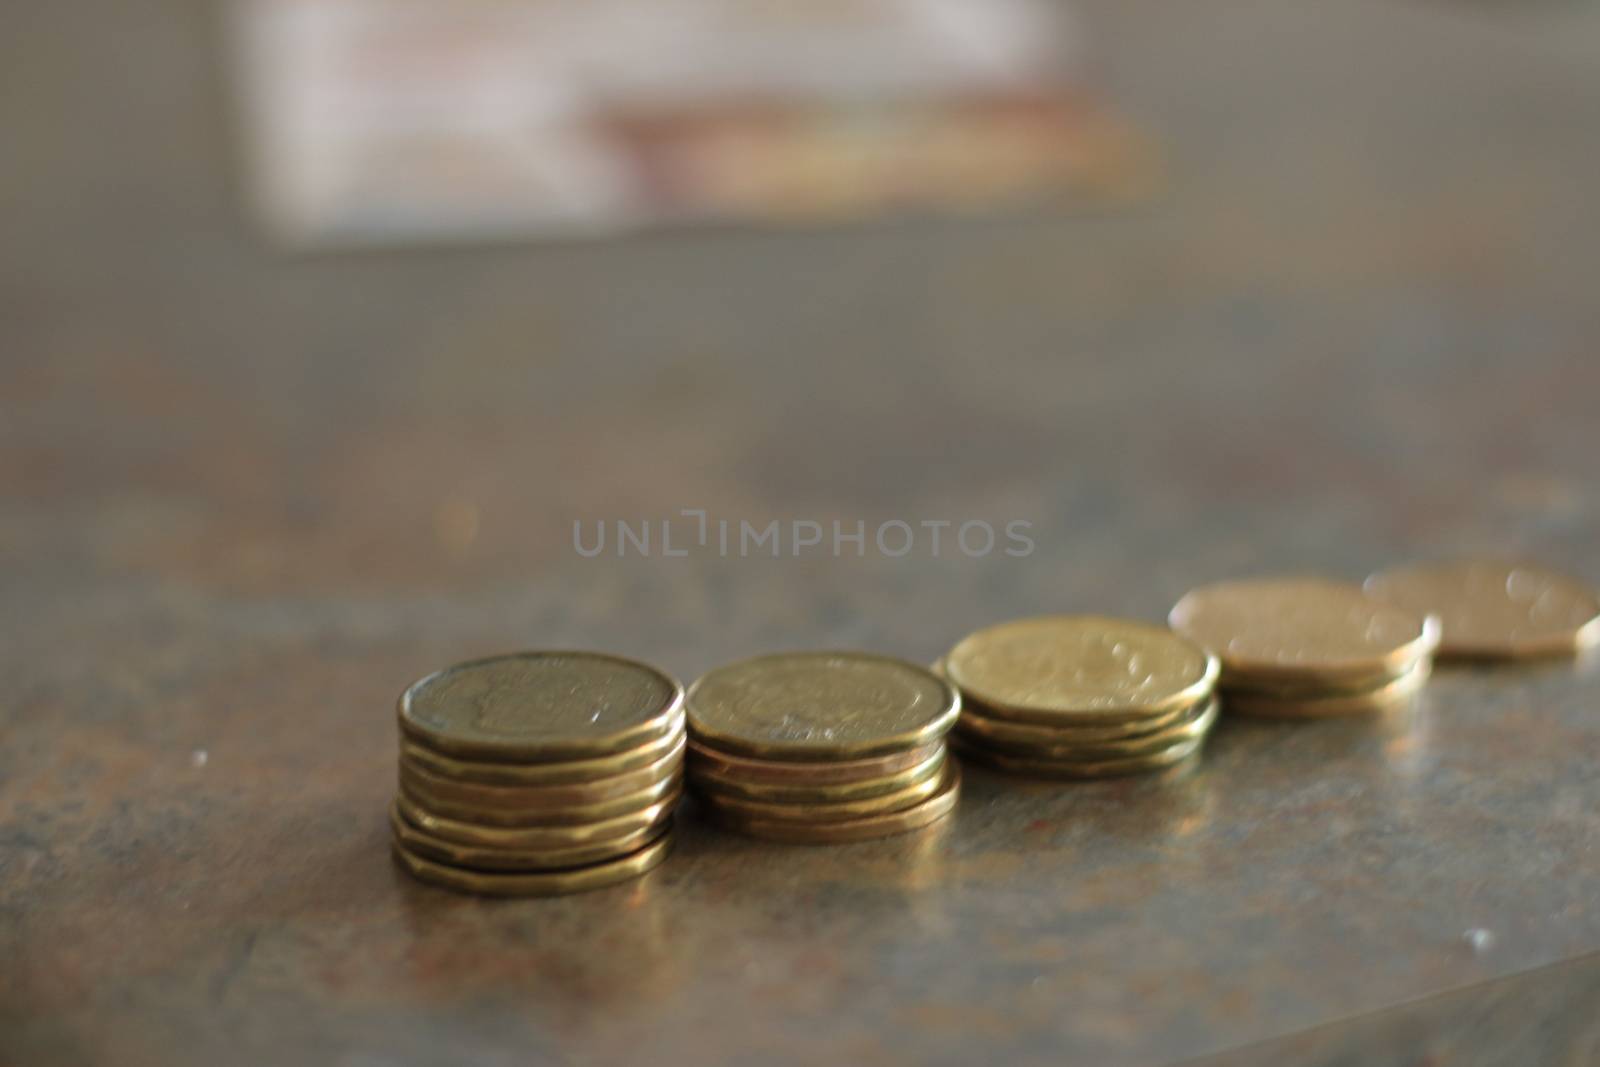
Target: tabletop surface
<point x="245" y="497"/>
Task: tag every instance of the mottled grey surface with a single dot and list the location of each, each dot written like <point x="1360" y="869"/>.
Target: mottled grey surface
<point x="244" y="498"/>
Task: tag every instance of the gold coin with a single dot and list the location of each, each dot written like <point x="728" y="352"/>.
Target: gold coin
<point x="1061" y="669"/>
<point x="731" y="768"/>
<point x="535" y="884"/>
<point x="983" y="726"/>
<point x="534" y="838"/>
<point x="1199" y="721"/>
<point x="825" y="811"/>
<point x="561" y="773"/>
<point x="1292" y="688"/>
<point x="1387" y="697"/>
<point x="820" y="705"/>
<point x="442" y="850"/>
<point x="540" y="706"/>
<point x="935" y="807"/>
<point x="1496" y="610"/>
<point x="707" y="780"/>
<point x="521" y="816"/>
<point x="540" y="797"/>
<point x="1032" y="767"/>
<point x="1312" y="628"/>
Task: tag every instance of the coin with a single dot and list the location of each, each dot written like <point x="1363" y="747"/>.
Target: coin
<point x="442" y="850"/>
<point x="559" y="773"/>
<point x="535" y="884"/>
<point x="977" y="722"/>
<point x="803" y="794"/>
<point x="1283" y="628"/>
<point x="1387" y="697"/>
<point x="820" y="705"/>
<point x="1496" y="610"/>
<point x="520" y="816"/>
<point x="534" y="838"/>
<point x="827" y="811"/>
<point x="540" y="706"/>
<point x="1079" y="668"/>
<point x="541" y="797"/>
<point x="1195" y="725"/>
<point x="704" y="759"/>
<point x="1065" y="768"/>
<point x="1292" y="688"/>
<point x="936" y="807"/>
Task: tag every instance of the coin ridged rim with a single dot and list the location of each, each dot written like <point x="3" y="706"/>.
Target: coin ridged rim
<point x="707" y="781"/>
<point x="1303" y="686"/>
<point x="1314" y="688"/>
<point x="1197" y="724"/>
<point x="1045" y="710"/>
<point x="563" y="772"/>
<point x="1376" y="701"/>
<point x="1560" y="645"/>
<point x="534" y="883"/>
<point x="868" y="828"/>
<point x="977" y="721"/>
<point x="469" y="832"/>
<point x="1026" y="767"/>
<point x="519" y="817"/>
<point x="1336" y="669"/>
<point x="455" y="854"/>
<point x="658" y="724"/>
<point x="746" y="769"/>
<point x="830" y="811"/>
<point x="571" y="794"/>
<point x="935" y="726"/>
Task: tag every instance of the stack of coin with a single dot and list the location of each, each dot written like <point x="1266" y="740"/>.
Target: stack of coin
<point x="538" y="773"/>
<point x="1492" y="610"/>
<point x="1308" y="647"/>
<point x="1079" y="696"/>
<point x="822" y="747"/>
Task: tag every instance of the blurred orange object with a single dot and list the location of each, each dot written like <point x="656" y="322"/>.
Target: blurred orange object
<point x="375" y="120"/>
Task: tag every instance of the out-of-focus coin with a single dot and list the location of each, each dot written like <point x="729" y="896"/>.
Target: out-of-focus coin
<point x="443" y="850"/>
<point x="796" y="793"/>
<point x="1496" y="610"/>
<point x="1196" y="725"/>
<point x="1085" y="669"/>
<point x="824" y="811"/>
<point x="1292" y="688"/>
<point x="535" y="884"/>
<point x="514" y="815"/>
<point x="563" y="772"/>
<point x="703" y="759"/>
<point x="540" y="797"/>
<point x="1034" y="767"/>
<point x="820" y="705"/>
<point x="935" y="807"/>
<point x="1284" y="628"/>
<point x="541" y="706"/>
<point x="1390" y="696"/>
<point x="535" y="838"/>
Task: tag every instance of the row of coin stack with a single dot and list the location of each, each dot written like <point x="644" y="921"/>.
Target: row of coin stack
<point x="552" y="772"/>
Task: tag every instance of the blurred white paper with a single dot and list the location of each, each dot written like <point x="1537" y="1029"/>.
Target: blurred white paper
<point x="378" y="120"/>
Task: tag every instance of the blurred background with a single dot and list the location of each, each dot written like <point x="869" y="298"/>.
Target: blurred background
<point x="329" y="292"/>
